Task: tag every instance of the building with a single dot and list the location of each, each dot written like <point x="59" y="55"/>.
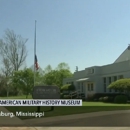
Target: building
<point x="96" y="79"/>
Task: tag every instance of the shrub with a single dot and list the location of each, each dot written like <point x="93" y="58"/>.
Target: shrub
<point x="101" y="99"/>
<point x="121" y="85"/>
<point x="61" y="95"/>
<point x="95" y="97"/>
<point x="121" y="99"/>
<point x="68" y="87"/>
<point x="66" y="97"/>
<point x="108" y="99"/>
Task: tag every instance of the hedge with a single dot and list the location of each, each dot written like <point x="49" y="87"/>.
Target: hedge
<point x="121" y="99"/>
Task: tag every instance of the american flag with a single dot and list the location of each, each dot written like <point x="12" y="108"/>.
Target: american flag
<point x="36" y="63"/>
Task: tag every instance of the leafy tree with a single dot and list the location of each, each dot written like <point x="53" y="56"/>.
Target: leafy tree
<point x="24" y="80"/>
<point x="121" y="85"/>
<point x="55" y="77"/>
<point x="63" y="66"/>
<point x="48" y="69"/>
<point x="50" y="78"/>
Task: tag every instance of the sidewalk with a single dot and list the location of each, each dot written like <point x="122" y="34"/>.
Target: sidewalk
<point x="16" y="121"/>
<point x="69" y="117"/>
<point x="6" y="120"/>
<point x="64" y="128"/>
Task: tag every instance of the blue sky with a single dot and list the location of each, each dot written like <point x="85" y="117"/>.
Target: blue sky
<point x="81" y="33"/>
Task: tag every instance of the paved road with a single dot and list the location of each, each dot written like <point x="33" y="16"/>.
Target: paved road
<point x="114" y="120"/>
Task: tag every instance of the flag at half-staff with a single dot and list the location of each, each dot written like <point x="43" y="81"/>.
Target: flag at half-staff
<point x="36" y="63"/>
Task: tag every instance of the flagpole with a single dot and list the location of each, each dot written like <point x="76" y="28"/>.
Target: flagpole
<point x="34" y="53"/>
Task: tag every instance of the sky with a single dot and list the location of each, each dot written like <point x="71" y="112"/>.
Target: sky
<point x="81" y="33"/>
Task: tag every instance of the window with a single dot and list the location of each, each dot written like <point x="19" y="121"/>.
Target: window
<point x="104" y="84"/>
<point x="82" y="87"/>
<point x="90" y="71"/>
<point x="78" y="86"/>
<point x="115" y="90"/>
<point x="92" y="87"/>
<point x="88" y="87"/>
<point x="115" y="78"/>
<point x="109" y="80"/>
<point x="104" y="80"/>
<point x="104" y="87"/>
<point x="121" y="77"/>
<point x="109" y="83"/>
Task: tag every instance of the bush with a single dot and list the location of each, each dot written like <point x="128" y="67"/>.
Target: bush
<point x="121" y="99"/>
<point x="61" y="95"/>
<point x="95" y="97"/>
<point x="121" y="85"/>
<point x="66" y="97"/>
<point x="108" y="99"/>
<point x="68" y="87"/>
<point x="101" y="99"/>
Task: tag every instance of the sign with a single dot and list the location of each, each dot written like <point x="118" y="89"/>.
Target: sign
<point x="40" y="102"/>
<point x="46" y="92"/>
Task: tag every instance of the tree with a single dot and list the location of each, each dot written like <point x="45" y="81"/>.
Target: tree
<point x="50" y="78"/>
<point x="121" y="85"/>
<point x="55" y="77"/>
<point x="6" y="73"/>
<point x="13" y="49"/>
<point x="24" y="80"/>
<point x="63" y="66"/>
<point x="48" y="69"/>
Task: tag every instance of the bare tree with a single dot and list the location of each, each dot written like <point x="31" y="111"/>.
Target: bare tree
<point x="13" y="49"/>
<point x="6" y="74"/>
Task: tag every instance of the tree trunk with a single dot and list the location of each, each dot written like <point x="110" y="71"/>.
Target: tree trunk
<point x="7" y="93"/>
<point x="26" y="96"/>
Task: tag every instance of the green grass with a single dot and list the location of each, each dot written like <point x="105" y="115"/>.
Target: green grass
<point x="58" y="111"/>
<point x="17" y="97"/>
<point x="104" y="104"/>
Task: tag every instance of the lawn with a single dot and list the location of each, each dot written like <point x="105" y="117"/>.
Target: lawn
<point x="17" y="97"/>
<point x="86" y="108"/>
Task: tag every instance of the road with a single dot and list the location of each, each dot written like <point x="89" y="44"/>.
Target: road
<point x="113" y="120"/>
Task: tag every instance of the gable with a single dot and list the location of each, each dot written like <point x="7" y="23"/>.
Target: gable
<point x="124" y="56"/>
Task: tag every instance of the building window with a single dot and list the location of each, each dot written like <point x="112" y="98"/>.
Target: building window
<point x="104" y="87"/>
<point x="104" y="80"/>
<point x="92" y="87"/>
<point x="109" y="80"/>
<point x="115" y="78"/>
<point x="82" y="87"/>
<point x="109" y="83"/>
<point x="104" y="84"/>
<point x="121" y="77"/>
<point x="88" y="87"/>
<point x="78" y="86"/>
